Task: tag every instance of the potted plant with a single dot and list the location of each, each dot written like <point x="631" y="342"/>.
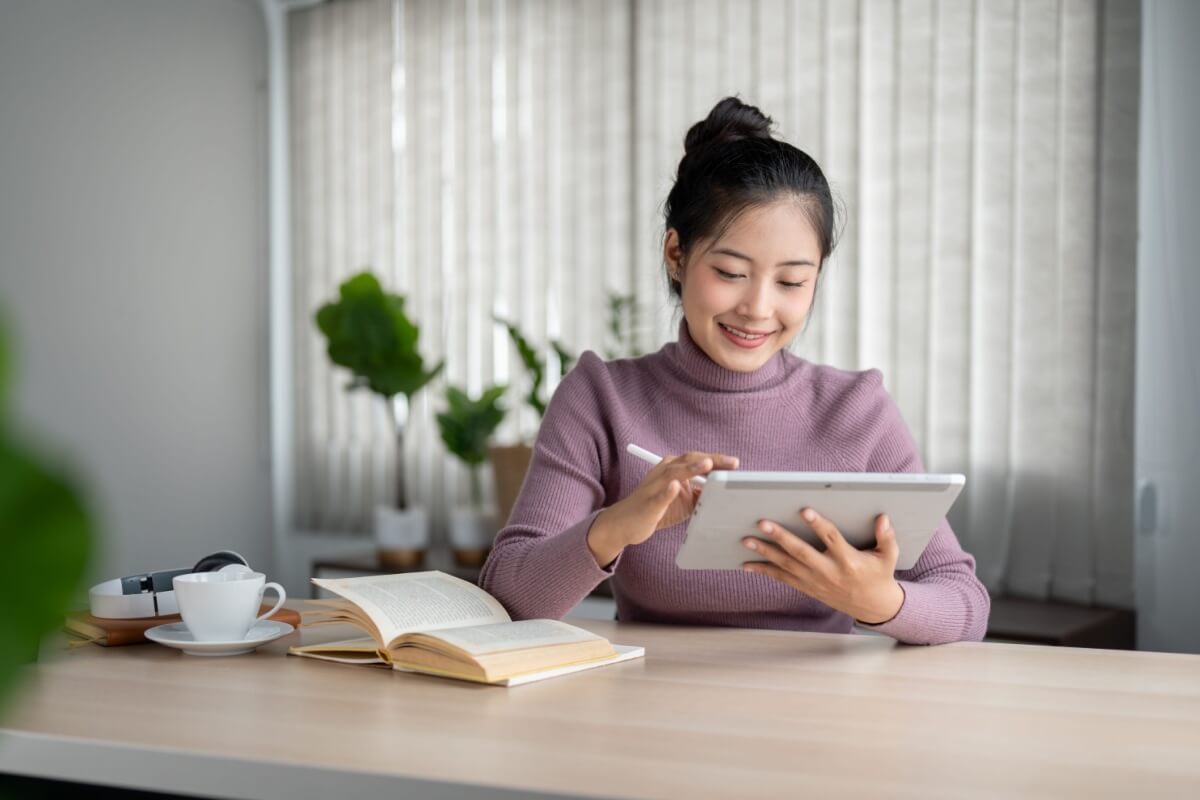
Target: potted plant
<point x="511" y="462"/>
<point x="466" y="426"/>
<point x="370" y="335"/>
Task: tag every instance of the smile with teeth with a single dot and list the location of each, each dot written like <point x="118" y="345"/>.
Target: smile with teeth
<point x="742" y="334"/>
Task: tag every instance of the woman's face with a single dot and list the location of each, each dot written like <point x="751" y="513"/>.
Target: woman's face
<point x="746" y="295"/>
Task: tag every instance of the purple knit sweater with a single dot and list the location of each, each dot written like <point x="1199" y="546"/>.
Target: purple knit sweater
<point x="789" y="414"/>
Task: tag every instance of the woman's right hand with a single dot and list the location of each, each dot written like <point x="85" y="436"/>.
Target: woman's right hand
<point x="665" y="497"/>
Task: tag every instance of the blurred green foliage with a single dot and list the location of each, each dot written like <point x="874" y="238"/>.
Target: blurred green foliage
<point x="46" y="537"/>
<point x="623" y="316"/>
<point x="369" y="334"/>
<point x="535" y="364"/>
<point x="467" y="426"/>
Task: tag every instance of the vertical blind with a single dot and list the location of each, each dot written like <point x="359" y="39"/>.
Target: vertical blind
<point x="511" y="159"/>
<point x="472" y="155"/>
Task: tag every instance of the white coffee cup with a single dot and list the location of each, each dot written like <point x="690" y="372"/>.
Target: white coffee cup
<point x="221" y="606"/>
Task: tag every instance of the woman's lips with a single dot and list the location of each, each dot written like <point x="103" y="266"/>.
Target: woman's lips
<point x="745" y="344"/>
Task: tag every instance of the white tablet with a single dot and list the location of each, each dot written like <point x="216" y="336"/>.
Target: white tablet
<point x="732" y="504"/>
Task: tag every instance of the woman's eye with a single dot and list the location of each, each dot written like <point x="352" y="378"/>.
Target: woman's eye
<point x="788" y="285"/>
<point x="726" y="275"/>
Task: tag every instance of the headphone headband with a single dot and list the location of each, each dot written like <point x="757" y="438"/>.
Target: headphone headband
<point x="150" y="594"/>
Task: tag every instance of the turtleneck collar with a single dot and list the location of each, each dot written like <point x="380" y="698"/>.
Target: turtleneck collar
<point x="698" y="369"/>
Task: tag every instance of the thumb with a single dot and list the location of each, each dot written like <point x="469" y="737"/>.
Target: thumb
<point x="885" y="538"/>
<point x="662" y="499"/>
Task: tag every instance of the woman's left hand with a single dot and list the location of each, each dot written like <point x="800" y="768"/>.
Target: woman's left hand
<point x="860" y="583"/>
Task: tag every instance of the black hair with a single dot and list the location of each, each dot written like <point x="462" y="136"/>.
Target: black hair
<point x="732" y="163"/>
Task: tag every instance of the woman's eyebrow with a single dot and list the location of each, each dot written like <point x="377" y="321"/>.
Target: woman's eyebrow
<point x="798" y="263"/>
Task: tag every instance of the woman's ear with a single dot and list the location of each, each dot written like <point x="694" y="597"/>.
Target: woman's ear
<point x="673" y="255"/>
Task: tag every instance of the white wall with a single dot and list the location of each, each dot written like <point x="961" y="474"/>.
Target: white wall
<point x="1168" y="351"/>
<point x="133" y="264"/>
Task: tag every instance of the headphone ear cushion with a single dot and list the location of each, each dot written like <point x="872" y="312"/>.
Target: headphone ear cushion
<point x="215" y="561"/>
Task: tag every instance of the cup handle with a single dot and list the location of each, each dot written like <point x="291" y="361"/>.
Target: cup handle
<point x="278" y="603"/>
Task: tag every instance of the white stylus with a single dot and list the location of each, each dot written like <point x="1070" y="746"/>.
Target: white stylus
<point x="651" y="458"/>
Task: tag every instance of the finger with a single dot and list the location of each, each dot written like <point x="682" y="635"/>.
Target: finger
<point x="668" y="462"/>
<point x="719" y="460"/>
<point x="836" y="545"/>
<point x="722" y="461"/>
<point x="673" y="468"/>
<point x="681" y="458"/>
<point x="687" y="469"/>
<point x="663" y="498"/>
<point x="782" y="547"/>
<point x="791" y="544"/>
<point x="776" y="573"/>
<point x="885" y="538"/>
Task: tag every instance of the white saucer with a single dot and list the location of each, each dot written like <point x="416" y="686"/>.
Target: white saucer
<point x="178" y="636"/>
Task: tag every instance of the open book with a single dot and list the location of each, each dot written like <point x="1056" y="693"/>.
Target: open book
<point x="435" y="623"/>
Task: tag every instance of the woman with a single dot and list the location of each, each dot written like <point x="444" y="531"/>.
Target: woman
<point x="749" y="226"/>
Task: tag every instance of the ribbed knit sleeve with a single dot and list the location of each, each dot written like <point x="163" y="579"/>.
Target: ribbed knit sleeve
<point x="943" y="599"/>
<point x="540" y="565"/>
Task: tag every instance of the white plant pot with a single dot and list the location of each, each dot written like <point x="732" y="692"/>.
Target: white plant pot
<point x="471" y="535"/>
<point x="402" y="537"/>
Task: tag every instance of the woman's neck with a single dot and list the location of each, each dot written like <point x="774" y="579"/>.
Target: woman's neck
<point x="700" y="370"/>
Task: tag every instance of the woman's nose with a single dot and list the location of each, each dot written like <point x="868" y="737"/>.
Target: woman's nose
<point x="756" y="301"/>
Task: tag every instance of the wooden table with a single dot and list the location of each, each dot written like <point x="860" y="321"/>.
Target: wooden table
<point x="708" y="713"/>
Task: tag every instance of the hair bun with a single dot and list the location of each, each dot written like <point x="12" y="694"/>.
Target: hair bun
<point x="729" y="121"/>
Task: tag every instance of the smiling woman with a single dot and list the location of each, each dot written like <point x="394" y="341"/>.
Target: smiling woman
<point x="749" y="226"/>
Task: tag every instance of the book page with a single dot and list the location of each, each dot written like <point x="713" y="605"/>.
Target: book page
<point x="363" y="650"/>
<point x="481" y="640"/>
<point x="624" y="653"/>
<point x="417" y="601"/>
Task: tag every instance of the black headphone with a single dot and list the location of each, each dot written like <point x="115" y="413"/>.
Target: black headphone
<point x="151" y="594"/>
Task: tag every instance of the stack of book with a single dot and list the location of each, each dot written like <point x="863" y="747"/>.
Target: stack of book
<point x="84" y="628"/>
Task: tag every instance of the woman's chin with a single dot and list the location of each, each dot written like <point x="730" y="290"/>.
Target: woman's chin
<point x="743" y="361"/>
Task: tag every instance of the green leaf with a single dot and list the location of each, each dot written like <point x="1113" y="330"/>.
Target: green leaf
<point x="622" y="325"/>
<point x="368" y="333"/>
<point x="566" y="359"/>
<point x="534" y="398"/>
<point x="467" y="425"/>
<point x="533" y="364"/>
<point x="45" y="534"/>
<point x="529" y="356"/>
